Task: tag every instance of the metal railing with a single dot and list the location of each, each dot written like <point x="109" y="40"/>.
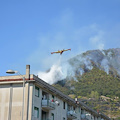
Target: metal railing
<point x="72" y="114"/>
<point x="48" y="103"/>
<point x="46" y="119"/>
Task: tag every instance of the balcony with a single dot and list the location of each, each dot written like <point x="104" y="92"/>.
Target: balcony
<point x="46" y="119"/>
<point x="71" y="114"/>
<point x="47" y="104"/>
<point x="84" y="117"/>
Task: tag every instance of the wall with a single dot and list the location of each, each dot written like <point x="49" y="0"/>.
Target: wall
<point x="36" y="103"/>
<point x="58" y="112"/>
<point x="11" y="101"/>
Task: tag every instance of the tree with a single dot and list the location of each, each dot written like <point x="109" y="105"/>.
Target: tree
<point x="94" y="94"/>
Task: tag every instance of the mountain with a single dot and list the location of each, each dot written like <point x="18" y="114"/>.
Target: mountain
<point x="96" y="80"/>
<point x="107" y="60"/>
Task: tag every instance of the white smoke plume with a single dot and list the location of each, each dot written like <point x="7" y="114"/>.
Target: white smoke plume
<point x="53" y="75"/>
<point x="57" y="72"/>
<point x="105" y="65"/>
<point x="88" y="64"/>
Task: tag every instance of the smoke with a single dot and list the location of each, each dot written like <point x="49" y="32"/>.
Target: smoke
<point x="53" y="75"/>
<point x="88" y="64"/>
<point x="78" y="65"/>
<point x="59" y="71"/>
<point x="81" y="71"/>
<point x="105" y="65"/>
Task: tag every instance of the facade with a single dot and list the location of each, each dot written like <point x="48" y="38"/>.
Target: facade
<point x="35" y="99"/>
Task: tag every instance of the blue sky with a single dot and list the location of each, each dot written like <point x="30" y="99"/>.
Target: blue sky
<point x="31" y="30"/>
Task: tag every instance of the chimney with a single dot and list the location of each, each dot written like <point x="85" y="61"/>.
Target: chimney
<point x="28" y="72"/>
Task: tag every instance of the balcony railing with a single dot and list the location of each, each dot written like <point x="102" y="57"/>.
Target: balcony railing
<point x="71" y="114"/>
<point x="46" y="119"/>
<point x="48" y="104"/>
<point x="84" y="116"/>
<point x="84" y="119"/>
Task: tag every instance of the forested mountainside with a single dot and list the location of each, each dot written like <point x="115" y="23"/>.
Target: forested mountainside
<point x="107" y="60"/>
<point x="96" y="81"/>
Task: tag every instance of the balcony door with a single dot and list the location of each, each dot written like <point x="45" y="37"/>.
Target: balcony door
<point x="52" y="116"/>
<point x="44" y="115"/>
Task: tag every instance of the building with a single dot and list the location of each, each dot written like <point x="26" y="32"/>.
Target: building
<point x="33" y="99"/>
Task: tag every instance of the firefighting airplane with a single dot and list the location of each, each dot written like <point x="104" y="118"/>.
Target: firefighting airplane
<point x="60" y="51"/>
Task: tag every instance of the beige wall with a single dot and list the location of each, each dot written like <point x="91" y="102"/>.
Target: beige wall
<point x="11" y="101"/>
<point x="4" y="102"/>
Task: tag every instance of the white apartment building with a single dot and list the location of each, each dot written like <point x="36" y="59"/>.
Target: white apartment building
<point x="34" y="99"/>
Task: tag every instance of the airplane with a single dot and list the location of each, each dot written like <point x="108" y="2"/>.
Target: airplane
<point x="60" y="51"/>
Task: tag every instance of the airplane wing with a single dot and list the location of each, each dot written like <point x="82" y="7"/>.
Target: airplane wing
<point x="60" y="51"/>
<point x="66" y="49"/>
<point x="55" y="52"/>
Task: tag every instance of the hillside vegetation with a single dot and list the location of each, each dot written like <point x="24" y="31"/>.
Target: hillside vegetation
<point x="97" y="89"/>
<point x="97" y="86"/>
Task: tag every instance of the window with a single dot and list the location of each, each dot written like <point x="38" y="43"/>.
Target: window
<point x="53" y="97"/>
<point x="68" y="107"/>
<point x="82" y="111"/>
<point x="36" y="112"/>
<point x="79" y="109"/>
<point x="63" y="105"/>
<point x="36" y="91"/>
<point x="52" y="116"/>
<point x="63" y="118"/>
